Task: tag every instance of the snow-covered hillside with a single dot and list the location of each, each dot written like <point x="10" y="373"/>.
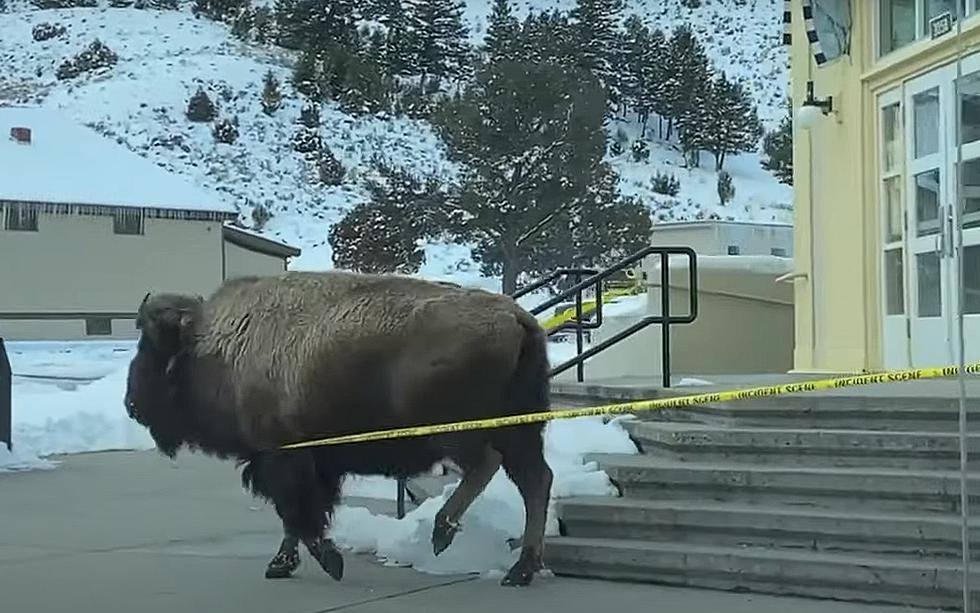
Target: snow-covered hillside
<point x="164" y="56"/>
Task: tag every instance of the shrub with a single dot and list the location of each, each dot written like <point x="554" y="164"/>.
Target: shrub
<point x="47" y="31"/>
<point x="666" y="184"/>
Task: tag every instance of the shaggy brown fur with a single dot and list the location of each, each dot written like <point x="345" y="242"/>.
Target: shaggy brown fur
<point x="272" y="360"/>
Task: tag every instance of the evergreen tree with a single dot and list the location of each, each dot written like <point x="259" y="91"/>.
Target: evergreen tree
<point x="642" y="81"/>
<point x="382" y="234"/>
<point x="733" y="126"/>
<point x="778" y="148"/>
<point x="219" y="10"/>
<point x="271" y="95"/>
<point x="438" y="37"/>
<point x="686" y="91"/>
<point x="200" y="108"/>
<point x="314" y="24"/>
<point x="600" y="45"/>
<point x="502" y="32"/>
<point x="309" y="116"/>
<point x="306" y="74"/>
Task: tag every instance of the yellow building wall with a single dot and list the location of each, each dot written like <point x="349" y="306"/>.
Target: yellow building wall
<point x="829" y="215"/>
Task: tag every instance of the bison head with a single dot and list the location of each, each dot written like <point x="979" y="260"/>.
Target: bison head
<point x="167" y="325"/>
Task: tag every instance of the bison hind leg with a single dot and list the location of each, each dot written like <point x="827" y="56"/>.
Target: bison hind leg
<point x="522" y="449"/>
<point x="477" y="473"/>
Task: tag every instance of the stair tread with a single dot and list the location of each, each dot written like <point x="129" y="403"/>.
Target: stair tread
<point x="714" y="428"/>
<point x="717" y="506"/>
<point x="762" y="553"/>
<point x="641" y="460"/>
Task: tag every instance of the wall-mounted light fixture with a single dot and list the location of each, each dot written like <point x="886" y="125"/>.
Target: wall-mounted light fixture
<point x="813" y="109"/>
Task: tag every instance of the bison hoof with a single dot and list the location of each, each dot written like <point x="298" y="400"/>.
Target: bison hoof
<point x="282" y="565"/>
<point x="443" y="533"/>
<point x="332" y="563"/>
<point x="517" y="577"/>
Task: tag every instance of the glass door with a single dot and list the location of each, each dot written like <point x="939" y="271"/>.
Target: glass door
<point x="966" y="212"/>
<point x="927" y="133"/>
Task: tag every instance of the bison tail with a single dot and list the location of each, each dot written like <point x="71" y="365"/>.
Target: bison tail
<point x="529" y="389"/>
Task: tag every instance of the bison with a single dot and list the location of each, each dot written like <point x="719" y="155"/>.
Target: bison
<point x="266" y="361"/>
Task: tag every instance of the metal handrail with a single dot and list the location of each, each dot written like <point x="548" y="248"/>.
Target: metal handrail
<point x="665" y="319"/>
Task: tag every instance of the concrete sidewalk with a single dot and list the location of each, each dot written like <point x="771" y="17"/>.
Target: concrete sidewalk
<point x="134" y="532"/>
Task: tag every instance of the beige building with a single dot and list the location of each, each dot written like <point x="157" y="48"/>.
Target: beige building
<point x="724" y="237"/>
<point x="87" y="227"/>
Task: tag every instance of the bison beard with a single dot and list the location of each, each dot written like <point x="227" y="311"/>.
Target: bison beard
<point x="268" y="361"/>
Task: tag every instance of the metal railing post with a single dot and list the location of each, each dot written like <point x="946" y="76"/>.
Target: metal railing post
<point x="400" y="499"/>
<point x="580" y="367"/>
<point x="665" y="314"/>
<point x="6" y="398"/>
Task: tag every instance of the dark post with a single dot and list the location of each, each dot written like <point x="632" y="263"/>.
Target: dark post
<point x="6" y="399"/>
<point x="665" y="315"/>
<point x="400" y="504"/>
<point x="580" y="367"/>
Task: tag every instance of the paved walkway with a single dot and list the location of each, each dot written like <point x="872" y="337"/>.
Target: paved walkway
<point x="133" y="532"/>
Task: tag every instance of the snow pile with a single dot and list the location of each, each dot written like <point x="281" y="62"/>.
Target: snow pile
<point x="92" y="417"/>
<point x="14" y="461"/>
<point x="495" y="517"/>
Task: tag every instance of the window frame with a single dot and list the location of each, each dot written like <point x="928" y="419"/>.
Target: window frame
<point x="972" y="9"/>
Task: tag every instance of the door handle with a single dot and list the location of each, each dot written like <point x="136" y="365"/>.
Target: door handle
<point x="948" y="231"/>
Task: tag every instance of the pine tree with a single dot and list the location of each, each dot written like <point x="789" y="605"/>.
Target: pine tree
<point x="642" y="81"/>
<point x="778" y="148"/>
<point x="271" y="95"/>
<point x="686" y="91"/>
<point x="314" y="24"/>
<point x="309" y="116"/>
<point x="200" y="108"/>
<point x="733" y="125"/>
<point x="502" y="32"/>
<point x="306" y="74"/>
<point x="600" y="45"/>
<point x="383" y="234"/>
<point x="437" y="37"/>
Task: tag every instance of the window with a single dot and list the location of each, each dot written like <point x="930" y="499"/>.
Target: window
<point x="733" y="250"/>
<point x="98" y="326"/>
<point x="902" y="22"/>
<point x="778" y="252"/>
<point x="832" y="23"/>
<point x="20" y="218"/>
<point x="127" y="221"/>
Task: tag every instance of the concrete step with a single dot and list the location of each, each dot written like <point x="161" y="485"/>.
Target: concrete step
<point x="835" y="413"/>
<point x="804" y="447"/>
<point x="706" y="522"/>
<point x="838" y="488"/>
<point x="891" y="580"/>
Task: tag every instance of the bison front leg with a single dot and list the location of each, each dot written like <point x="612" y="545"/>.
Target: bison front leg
<point x="523" y="459"/>
<point x="302" y="498"/>
<point x="286" y="560"/>
<point x="476" y="476"/>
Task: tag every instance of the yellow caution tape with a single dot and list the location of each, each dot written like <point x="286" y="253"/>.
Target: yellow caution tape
<point x="588" y="306"/>
<point x="897" y="376"/>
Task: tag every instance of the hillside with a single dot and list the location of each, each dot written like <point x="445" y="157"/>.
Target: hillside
<point x="164" y="56"/>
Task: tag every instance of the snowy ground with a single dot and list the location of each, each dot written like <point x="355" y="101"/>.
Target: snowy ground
<point x="67" y="398"/>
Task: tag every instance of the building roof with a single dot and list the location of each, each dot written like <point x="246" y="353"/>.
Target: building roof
<point x="69" y="163"/>
<point x="727" y="222"/>
<point x="248" y="239"/>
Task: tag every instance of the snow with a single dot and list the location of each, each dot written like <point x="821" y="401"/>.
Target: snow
<point x="495" y="517"/>
<point x="70" y="164"/>
<point x="164" y="56"/>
